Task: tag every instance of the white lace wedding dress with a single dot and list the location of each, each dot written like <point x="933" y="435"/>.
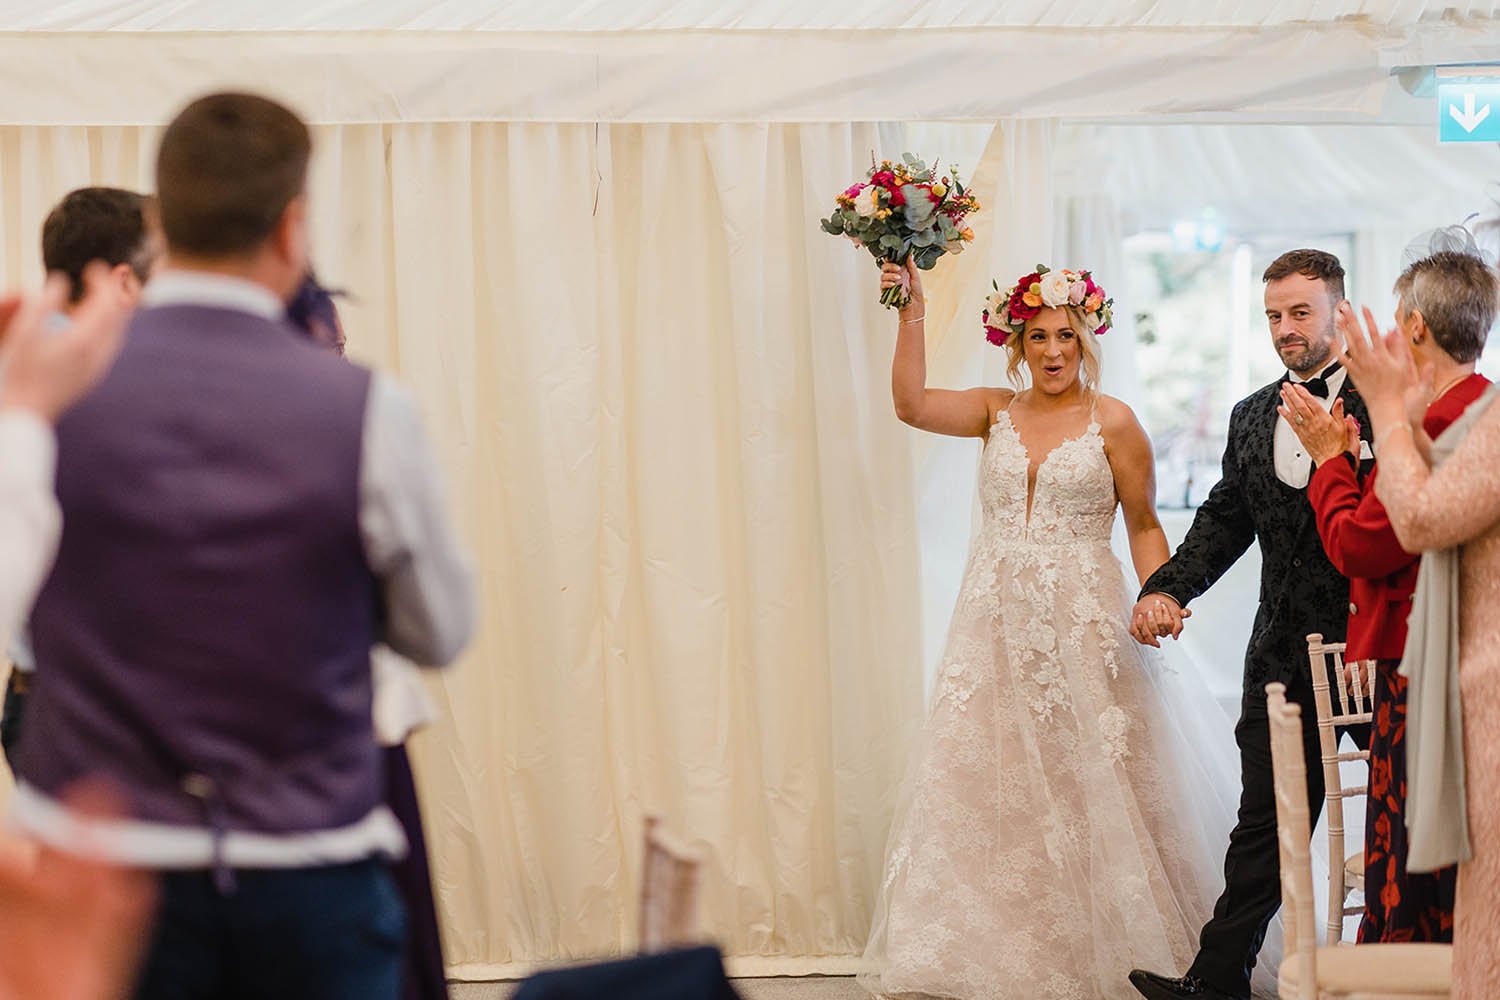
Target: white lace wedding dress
<point x="1067" y="813"/>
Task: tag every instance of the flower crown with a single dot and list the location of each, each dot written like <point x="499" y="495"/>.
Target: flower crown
<point x="1006" y="312"/>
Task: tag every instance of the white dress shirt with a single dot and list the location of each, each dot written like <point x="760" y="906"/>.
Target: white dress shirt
<point x="423" y="575"/>
<point x="29" y="518"/>
<point x="1293" y="466"/>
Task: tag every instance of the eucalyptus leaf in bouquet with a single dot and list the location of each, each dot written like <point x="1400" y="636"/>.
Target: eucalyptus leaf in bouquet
<point x="904" y="211"/>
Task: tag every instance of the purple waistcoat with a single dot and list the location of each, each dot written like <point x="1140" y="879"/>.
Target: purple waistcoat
<point x="211" y="611"/>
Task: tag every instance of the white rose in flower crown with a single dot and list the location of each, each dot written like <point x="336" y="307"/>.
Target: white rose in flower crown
<point x="1054" y="290"/>
<point x="867" y="202"/>
<point x="996" y="303"/>
<point x="1094" y="320"/>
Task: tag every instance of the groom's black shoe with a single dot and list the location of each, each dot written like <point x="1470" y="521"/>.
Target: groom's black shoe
<point x="1155" y="987"/>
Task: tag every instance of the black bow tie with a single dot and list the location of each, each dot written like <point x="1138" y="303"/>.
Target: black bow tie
<point x="1318" y="386"/>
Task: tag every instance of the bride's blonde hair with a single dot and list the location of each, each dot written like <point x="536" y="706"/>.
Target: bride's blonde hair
<point x="1090" y="357"/>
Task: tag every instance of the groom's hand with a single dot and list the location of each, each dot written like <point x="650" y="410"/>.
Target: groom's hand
<point x="1155" y="617"/>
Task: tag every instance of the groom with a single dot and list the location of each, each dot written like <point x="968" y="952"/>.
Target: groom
<point x="1262" y="497"/>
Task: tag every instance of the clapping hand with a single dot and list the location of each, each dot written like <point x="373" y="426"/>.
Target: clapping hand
<point x="1381" y="366"/>
<point x="1325" y="434"/>
<point x="71" y="928"/>
<point x="44" y="369"/>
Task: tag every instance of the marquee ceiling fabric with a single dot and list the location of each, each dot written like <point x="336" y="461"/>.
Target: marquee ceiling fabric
<point x="698" y="61"/>
<point x="705" y="15"/>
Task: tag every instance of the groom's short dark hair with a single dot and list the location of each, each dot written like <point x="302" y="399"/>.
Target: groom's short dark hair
<point x="1318" y="264"/>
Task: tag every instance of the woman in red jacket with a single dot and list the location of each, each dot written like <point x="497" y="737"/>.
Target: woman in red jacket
<point x="1438" y="314"/>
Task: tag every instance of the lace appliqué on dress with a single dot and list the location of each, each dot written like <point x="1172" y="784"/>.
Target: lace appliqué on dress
<point x="1114" y="727"/>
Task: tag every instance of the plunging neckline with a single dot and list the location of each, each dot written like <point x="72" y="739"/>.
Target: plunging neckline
<point x="1034" y="474"/>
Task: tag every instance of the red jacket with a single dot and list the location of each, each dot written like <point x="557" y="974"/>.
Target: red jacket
<point x="1361" y="544"/>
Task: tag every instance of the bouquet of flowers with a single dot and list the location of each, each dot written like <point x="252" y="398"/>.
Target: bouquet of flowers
<point x="1006" y="312"/>
<point x="904" y="210"/>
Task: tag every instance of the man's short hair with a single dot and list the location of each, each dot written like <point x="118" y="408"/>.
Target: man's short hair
<point x="96" y="223"/>
<point x="1318" y="264"/>
<point x="228" y="167"/>
<point x="1457" y="295"/>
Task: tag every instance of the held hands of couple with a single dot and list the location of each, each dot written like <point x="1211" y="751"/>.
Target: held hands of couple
<point x="1155" y="617"/>
<point x="1324" y="434"/>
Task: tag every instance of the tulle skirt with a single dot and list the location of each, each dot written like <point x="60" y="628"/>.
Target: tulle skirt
<point x="1066" y="815"/>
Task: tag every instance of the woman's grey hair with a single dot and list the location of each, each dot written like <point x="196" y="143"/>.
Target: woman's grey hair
<point x="1458" y="293"/>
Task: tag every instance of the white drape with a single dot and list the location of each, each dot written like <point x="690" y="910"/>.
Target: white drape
<point x="662" y="397"/>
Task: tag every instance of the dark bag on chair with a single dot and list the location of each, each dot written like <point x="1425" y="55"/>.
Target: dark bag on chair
<point x="694" y="974"/>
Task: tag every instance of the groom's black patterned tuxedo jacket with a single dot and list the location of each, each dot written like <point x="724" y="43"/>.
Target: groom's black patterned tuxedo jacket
<point x="1300" y="590"/>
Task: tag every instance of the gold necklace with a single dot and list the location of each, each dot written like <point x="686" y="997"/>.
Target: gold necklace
<point x="1439" y="393"/>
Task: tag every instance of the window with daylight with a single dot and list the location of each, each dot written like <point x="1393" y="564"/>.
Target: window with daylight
<point x="1203" y="343"/>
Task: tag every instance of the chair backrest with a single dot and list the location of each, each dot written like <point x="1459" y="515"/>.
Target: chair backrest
<point x="670" y="876"/>
<point x="1355" y="694"/>
<point x="1293" y="833"/>
<point x="1341" y="701"/>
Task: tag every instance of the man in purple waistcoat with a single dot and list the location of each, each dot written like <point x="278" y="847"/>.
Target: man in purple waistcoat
<point x="245" y="516"/>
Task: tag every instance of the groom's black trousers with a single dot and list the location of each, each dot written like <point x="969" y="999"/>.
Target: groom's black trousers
<point x="1228" y="945"/>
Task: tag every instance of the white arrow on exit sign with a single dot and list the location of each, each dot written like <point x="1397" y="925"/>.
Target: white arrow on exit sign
<point x="1468" y="119"/>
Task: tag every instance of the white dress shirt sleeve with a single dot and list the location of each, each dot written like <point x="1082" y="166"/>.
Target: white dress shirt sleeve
<point x="29" y="518"/>
<point x="402" y="704"/>
<point x="408" y="536"/>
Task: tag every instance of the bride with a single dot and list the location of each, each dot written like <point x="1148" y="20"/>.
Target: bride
<point x="1065" y="813"/>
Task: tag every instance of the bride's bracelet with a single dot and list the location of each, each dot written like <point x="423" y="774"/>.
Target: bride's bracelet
<point x="1402" y="426"/>
<point x="914" y="319"/>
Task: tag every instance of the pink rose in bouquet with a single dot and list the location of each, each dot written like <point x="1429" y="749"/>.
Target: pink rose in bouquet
<point x="904" y="211"/>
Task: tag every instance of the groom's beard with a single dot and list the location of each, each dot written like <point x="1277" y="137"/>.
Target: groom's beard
<point x="1304" y="358"/>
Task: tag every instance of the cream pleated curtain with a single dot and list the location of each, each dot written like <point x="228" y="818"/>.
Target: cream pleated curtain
<point x="662" y="398"/>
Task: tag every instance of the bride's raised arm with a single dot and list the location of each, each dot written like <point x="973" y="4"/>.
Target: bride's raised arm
<point x="1134" y="467"/>
<point x="959" y="413"/>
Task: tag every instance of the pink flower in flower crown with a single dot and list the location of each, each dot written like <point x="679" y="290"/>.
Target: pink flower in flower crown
<point x="1076" y="293"/>
<point x="994" y="334"/>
